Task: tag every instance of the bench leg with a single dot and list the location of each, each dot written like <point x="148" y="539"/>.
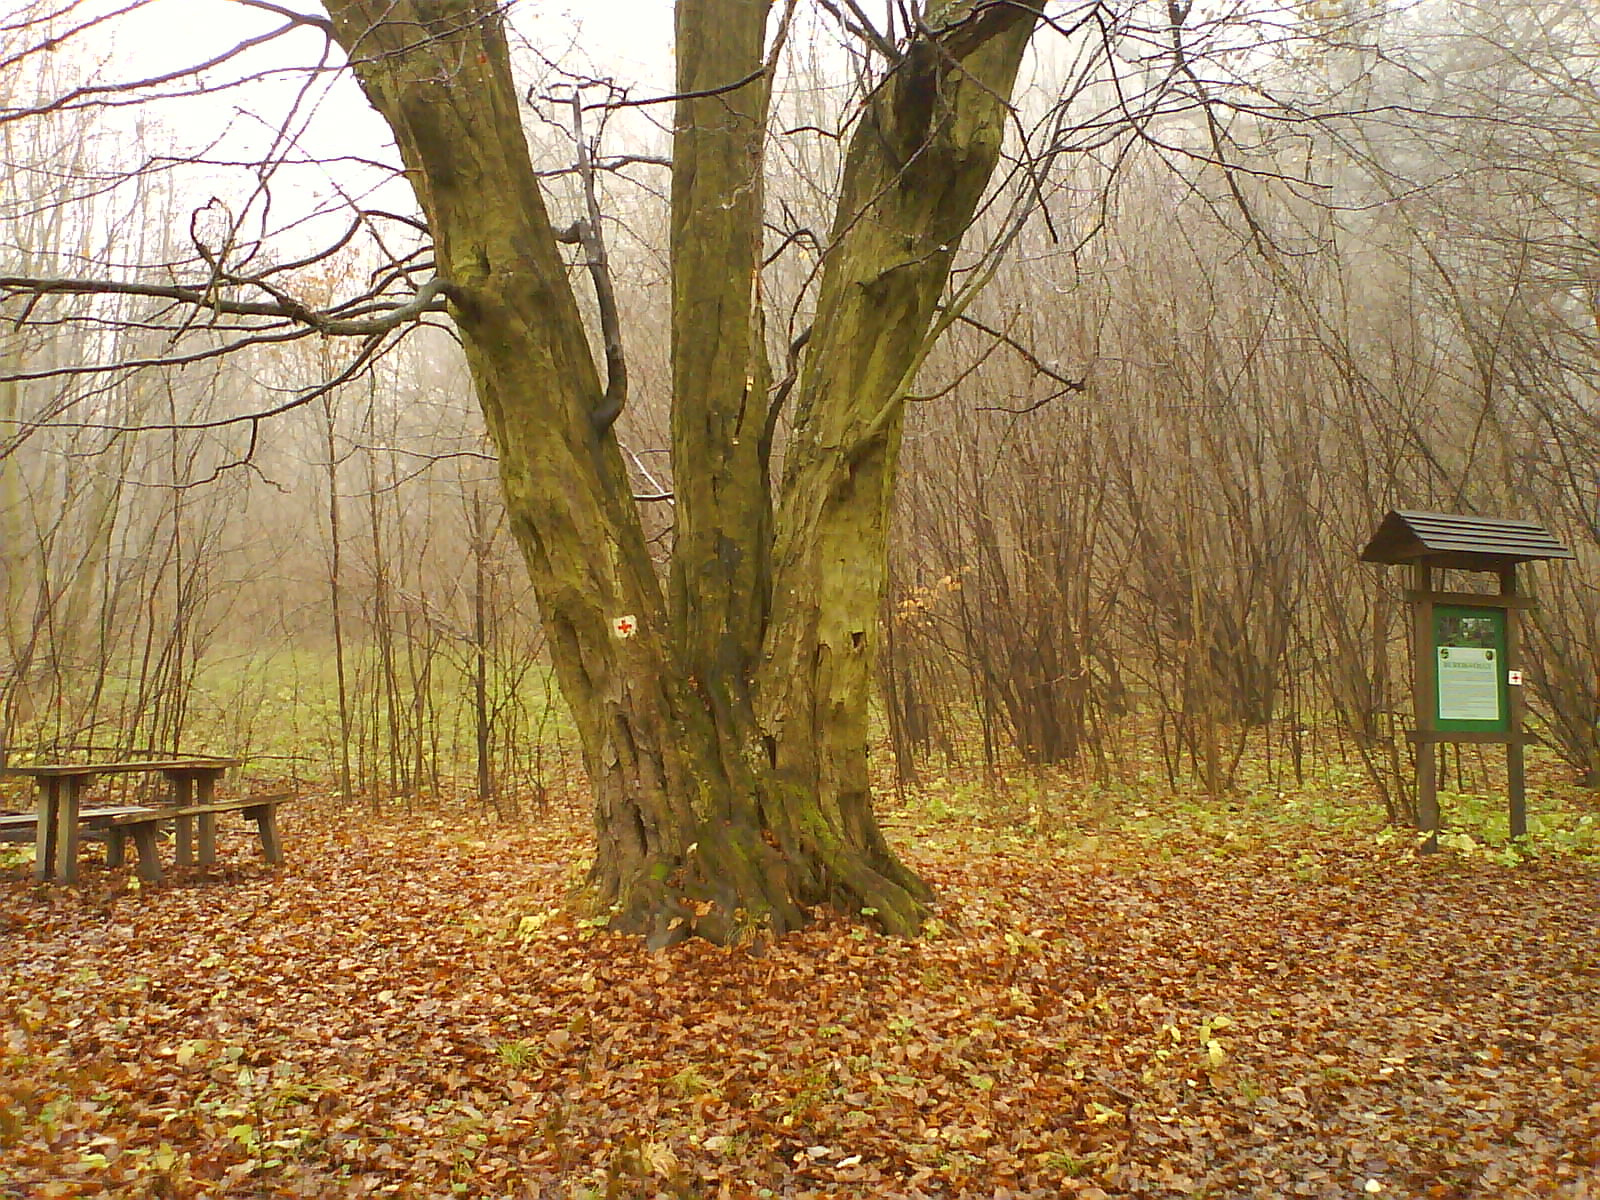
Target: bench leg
<point x="144" y="837"/>
<point x="266" y="819"/>
<point x="116" y="847"/>
<point x="208" y="838"/>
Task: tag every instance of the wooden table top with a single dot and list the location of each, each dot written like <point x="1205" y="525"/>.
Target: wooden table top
<point x="172" y="765"/>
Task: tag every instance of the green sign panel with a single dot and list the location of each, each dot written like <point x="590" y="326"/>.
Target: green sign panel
<point x="1469" y="649"/>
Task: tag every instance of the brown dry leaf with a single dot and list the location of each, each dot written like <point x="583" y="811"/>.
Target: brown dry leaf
<point x="1144" y="1021"/>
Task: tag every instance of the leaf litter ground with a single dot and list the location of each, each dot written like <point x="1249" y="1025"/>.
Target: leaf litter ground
<point x="406" y="1010"/>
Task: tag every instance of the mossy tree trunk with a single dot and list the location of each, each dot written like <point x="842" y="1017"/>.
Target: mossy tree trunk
<point x="726" y="736"/>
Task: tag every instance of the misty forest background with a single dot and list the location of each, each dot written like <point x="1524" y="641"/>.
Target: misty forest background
<point x="1136" y="480"/>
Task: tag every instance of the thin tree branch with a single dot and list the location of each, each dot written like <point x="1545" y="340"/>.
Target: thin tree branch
<point x="296" y="18"/>
<point x="429" y="298"/>
<point x="614" y="163"/>
<point x="1068" y="384"/>
<point x="72" y="99"/>
<point x="863" y="28"/>
<point x="591" y="236"/>
<point x="720" y="90"/>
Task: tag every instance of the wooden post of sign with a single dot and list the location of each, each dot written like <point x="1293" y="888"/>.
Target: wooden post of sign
<point x="1426" y="704"/>
<point x="1516" y="784"/>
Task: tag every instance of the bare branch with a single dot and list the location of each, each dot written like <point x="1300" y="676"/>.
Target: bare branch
<point x="370" y="351"/>
<point x="614" y="163"/>
<point x="88" y="94"/>
<point x="721" y="90"/>
<point x="429" y="298"/>
<point x="1068" y="384"/>
<point x="863" y="28"/>
<point x="591" y="236"/>
<point x="297" y="18"/>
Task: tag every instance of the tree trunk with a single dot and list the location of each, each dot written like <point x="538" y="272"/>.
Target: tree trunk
<point x="724" y="720"/>
<point x="916" y="168"/>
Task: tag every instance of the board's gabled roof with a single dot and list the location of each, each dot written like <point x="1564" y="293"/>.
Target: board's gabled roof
<point x="1454" y="540"/>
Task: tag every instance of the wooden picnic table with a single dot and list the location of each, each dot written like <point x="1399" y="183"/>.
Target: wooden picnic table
<point x="60" y="803"/>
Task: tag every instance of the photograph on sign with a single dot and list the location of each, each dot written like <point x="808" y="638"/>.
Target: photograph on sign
<point x="1477" y="629"/>
<point x="1469" y="684"/>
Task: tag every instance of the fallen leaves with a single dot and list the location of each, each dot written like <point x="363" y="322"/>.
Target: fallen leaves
<point x="402" y="1012"/>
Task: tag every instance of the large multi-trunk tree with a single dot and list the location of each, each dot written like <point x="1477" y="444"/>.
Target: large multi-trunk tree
<point x="723" y="711"/>
<point x="722" y="703"/>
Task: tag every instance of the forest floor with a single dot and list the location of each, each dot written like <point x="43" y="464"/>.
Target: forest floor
<point x="1169" y="1000"/>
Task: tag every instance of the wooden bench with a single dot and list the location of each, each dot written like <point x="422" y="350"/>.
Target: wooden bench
<point x="60" y="794"/>
<point x="143" y="824"/>
<point x="23" y="827"/>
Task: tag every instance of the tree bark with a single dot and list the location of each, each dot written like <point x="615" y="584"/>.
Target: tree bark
<point x="724" y="720"/>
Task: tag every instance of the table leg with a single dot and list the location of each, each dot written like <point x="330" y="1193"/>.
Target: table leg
<point x="206" y="789"/>
<point x="44" y="830"/>
<point x="183" y="826"/>
<point x="68" y="800"/>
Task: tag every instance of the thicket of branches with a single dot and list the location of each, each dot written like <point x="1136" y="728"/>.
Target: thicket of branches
<point x="1138" y="477"/>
